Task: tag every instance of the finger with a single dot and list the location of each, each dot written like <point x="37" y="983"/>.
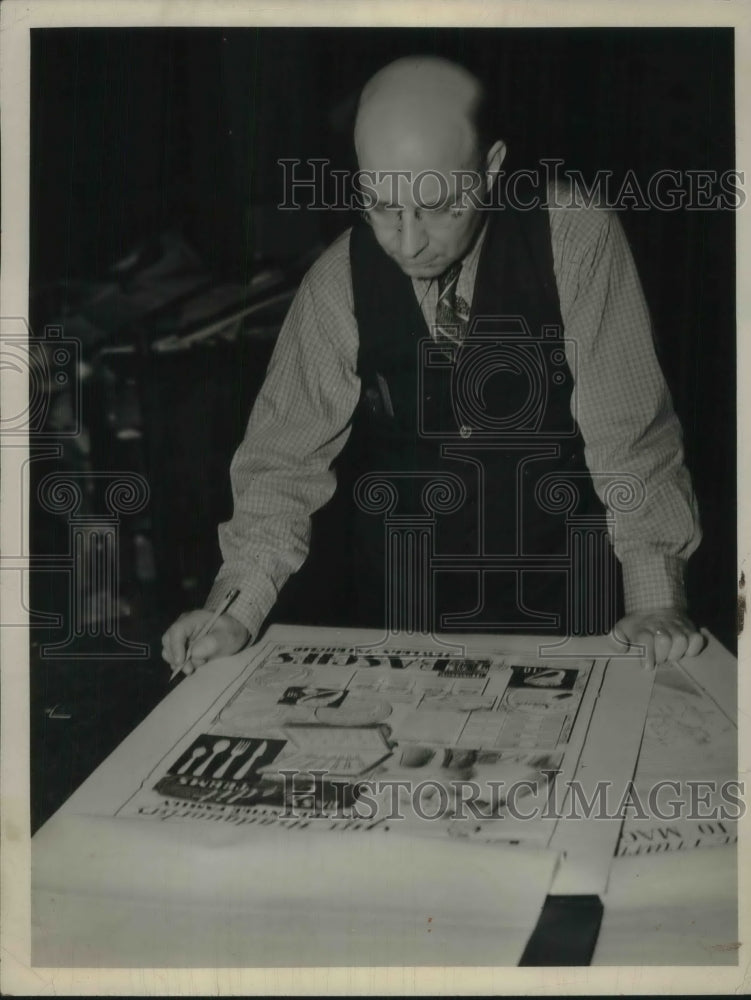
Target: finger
<point x="167" y="651"/>
<point x="647" y="640"/>
<point x="182" y="632"/>
<point x="178" y="640"/>
<point x="624" y="631"/>
<point x="679" y="646"/>
<point x="695" y="644"/>
<point x="619" y="634"/>
<point x="663" y="645"/>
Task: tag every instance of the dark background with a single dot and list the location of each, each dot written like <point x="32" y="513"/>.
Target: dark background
<point x="139" y="132"/>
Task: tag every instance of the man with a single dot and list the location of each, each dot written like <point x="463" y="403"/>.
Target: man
<point x="349" y="397"/>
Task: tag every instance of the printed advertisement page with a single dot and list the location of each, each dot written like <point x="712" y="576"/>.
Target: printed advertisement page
<point x="398" y="739"/>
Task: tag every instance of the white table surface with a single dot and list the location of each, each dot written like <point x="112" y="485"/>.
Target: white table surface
<point x="677" y="908"/>
<point x="647" y="900"/>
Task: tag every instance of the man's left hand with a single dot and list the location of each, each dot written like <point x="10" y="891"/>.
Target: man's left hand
<point x="665" y="634"/>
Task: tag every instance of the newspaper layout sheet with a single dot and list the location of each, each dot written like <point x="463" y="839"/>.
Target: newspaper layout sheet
<point x="397" y="739"/>
<point x="686" y="792"/>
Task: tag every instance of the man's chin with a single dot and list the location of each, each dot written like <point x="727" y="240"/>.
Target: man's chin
<point x="415" y="270"/>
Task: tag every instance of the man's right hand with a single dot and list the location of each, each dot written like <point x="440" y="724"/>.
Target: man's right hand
<point x="227" y="636"/>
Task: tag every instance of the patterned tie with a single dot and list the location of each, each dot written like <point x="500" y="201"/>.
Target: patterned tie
<point x="452" y="312"/>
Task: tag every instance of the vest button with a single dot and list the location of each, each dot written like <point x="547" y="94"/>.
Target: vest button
<point x="465" y="431"/>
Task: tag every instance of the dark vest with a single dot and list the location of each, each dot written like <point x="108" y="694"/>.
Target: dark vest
<point x="463" y="472"/>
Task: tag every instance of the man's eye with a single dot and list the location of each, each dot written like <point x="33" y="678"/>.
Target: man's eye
<point x="445" y="209"/>
<point x="450" y="211"/>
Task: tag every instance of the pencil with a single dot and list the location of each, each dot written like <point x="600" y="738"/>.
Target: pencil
<point x="228" y="599"/>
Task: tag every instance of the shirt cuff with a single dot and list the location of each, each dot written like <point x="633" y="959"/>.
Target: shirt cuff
<point x="653" y="580"/>
<point x="245" y="608"/>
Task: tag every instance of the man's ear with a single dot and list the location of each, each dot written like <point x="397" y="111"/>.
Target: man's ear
<point x="494" y="159"/>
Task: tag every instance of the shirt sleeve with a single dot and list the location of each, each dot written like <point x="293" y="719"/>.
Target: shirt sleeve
<point x="633" y="441"/>
<point x="281" y="473"/>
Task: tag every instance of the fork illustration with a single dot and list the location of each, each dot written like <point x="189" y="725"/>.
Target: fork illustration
<point x="237" y="751"/>
<point x="259" y="752"/>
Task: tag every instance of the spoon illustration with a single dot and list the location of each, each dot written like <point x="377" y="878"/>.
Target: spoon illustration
<point x="219" y="747"/>
<point x="195" y="754"/>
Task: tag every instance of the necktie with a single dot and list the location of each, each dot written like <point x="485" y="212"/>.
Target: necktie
<point x="452" y="312"/>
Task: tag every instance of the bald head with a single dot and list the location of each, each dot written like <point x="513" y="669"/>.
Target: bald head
<point x="419" y="113"/>
<point x="424" y="157"/>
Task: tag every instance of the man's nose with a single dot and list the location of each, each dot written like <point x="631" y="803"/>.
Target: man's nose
<point x="413" y="236"/>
